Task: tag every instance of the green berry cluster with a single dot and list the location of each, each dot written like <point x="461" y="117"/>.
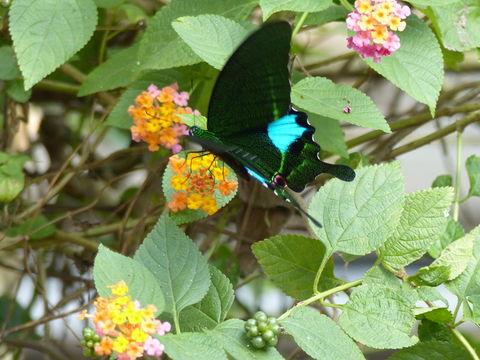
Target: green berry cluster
<point x="262" y="331"/>
<point x="90" y="339"/>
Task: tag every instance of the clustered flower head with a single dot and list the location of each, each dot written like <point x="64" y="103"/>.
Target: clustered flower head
<point x="372" y="21"/>
<point x="124" y="328"/>
<point x="195" y="179"/>
<point x="155" y="117"/>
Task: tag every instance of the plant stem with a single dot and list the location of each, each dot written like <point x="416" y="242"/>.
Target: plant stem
<point x="347" y="5"/>
<point x="321" y="296"/>
<point x="466" y="344"/>
<point x="458" y="174"/>
<point x="319" y="272"/>
<point x="299" y="24"/>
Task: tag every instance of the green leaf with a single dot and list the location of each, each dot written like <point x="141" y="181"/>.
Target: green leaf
<point x="417" y="67"/>
<point x="473" y="312"/>
<point x="468" y="283"/>
<point x="319" y="336"/>
<point x="119" y="116"/>
<point x="291" y="263"/>
<point x="213" y="38"/>
<point x="108" y="3"/>
<point x="452" y="58"/>
<point x="332" y="13"/>
<point x="111" y="267"/>
<point x="378" y="317"/>
<point x="119" y="70"/>
<point x="453" y="231"/>
<point x="162" y="48"/>
<point x="189" y="215"/>
<point x="47" y="33"/>
<point x="192" y="346"/>
<point x="33" y="227"/>
<point x="432" y="331"/>
<point x="378" y="276"/>
<point x="423" y="219"/>
<point x="458" y="24"/>
<point x="12" y="314"/>
<point x="194" y="120"/>
<point x="473" y="169"/>
<point x="270" y="7"/>
<point x="8" y="64"/>
<point x="431" y="276"/>
<point x="12" y="178"/>
<point x="16" y="90"/>
<point x="439" y="315"/>
<point x="322" y="96"/>
<point x="425" y="3"/>
<point x="442" y="181"/>
<point x="437" y="350"/>
<point x="427" y="293"/>
<point x="358" y="216"/>
<point x="213" y="308"/>
<point x="231" y="335"/>
<point x="176" y="263"/>
<point x="329" y="133"/>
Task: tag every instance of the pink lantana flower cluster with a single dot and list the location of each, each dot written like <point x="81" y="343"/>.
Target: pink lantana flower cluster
<point x="374" y="22"/>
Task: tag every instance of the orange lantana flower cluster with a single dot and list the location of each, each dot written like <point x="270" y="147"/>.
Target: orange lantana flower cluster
<point x="195" y="180"/>
<point x="155" y="117"/>
<point x="125" y="329"/>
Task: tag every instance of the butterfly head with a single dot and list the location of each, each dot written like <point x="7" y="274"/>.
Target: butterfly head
<point x="194" y="130"/>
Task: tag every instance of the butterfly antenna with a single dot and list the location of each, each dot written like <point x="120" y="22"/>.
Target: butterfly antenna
<point x="284" y="195"/>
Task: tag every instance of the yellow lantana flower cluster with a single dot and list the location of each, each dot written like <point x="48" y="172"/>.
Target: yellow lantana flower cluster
<point x="155" y="117"/>
<point x="195" y="179"/>
<point x="125" y="329"/>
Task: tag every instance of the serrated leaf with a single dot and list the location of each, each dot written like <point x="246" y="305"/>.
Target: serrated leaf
<point x="194" y="120"/>
<point x="213" y="38"/>
<point x="8" y="63"/>
<point x="456" y="256"/>
<point x="437" y="350"/>
<point x="319" y="336"/>
<point x="439" y="315"/>
<point x="47" y="33"/>
<point x="473" y="169"/>
<point x="192" y="346"/>
<point x="291" y="263"/>
<point x="176" y="263"/>
<point x="119" y="116"/>
<point x="358" y="216"/>
<point x="458" y="24"/>
<point x="270" y="7"/>
<point x="189" y="215"/>
<point x="119" y="70"/>
<point x="329" y="134"/>
<point x="232" y="337"/>
<point x="427" y="293"/>
<point x="323" y="97"/>
<point x="417" y="67"/>
<point x="423" y="219"/>
<point x="432" y="331"/>
<point x="12" y="178"/>
<point x="378" y="276"/>
<point x="442" y="181"/>
<point x="213" y="308"/>
<point x="379" y="318"/>
<point x="453" y="231"/>
<point x="111" y="267"/>
<point x="162" y="48"/>
<point x="431" y="276"/>
<point x="332" y="13"/>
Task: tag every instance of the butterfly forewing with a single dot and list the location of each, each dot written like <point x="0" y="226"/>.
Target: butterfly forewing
<point x="253" y="88"/>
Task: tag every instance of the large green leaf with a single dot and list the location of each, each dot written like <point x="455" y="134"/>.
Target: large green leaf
<point x="270" y="7"/>
<point x="473" y="169"/>
<point x="213" y="308"/>
<point x="178" y="266"/>
<point x="453" y="231"/>
<point x="162" y="48"/>
<point x="332" y="13"/>
<point x="378" y="317"/>
<point x="119" y="70"/>
<point x="417" y="67"/>
<point x="111" y="267"/>
<point x="322" y="96"/>
<point x="232" y="337"/>
<point x="378" y="276"/>
<point x="358" y="216"/>
<point x="8" y="64"/>
<point x="12" y="178"/>
<point x="439" y="315"/>
<point x="329" y="134"/>
<point x="292" y="261"/>
<point x="192" y="346"/>
<point x="423" y="219"/>
<point x="430" y="350"/>
<point x="46" y="33"/>
<point x="212" y="37"/>
<point x="459" y="24"/>
<point x="319" y="336"/>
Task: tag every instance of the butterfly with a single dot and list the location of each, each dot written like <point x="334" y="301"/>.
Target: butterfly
<point x="253" y="127"/>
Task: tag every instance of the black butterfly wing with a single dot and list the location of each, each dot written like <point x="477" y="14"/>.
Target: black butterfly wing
<point x="253" y="88"/>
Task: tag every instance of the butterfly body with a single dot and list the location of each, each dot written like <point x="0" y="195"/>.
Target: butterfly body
<point x="251" y="124"/>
